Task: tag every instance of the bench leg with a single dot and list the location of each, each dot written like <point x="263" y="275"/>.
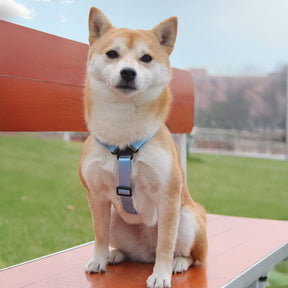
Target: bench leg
<point x="260" y="283"/>
<point x="181" y="142"/>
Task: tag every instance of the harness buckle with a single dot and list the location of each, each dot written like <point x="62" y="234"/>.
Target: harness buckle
<point x="127" y="152"/>
<point x="124" y="191"/>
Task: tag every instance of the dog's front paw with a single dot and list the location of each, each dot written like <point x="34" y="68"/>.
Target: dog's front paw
<point x="94" y="266"/>
<point x="158" y="280"/>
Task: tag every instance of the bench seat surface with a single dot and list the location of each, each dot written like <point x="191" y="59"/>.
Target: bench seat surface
<point x="235" y="246"/>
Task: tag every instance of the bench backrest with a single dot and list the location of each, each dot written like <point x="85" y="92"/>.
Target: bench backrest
<point x="41" y="84"/>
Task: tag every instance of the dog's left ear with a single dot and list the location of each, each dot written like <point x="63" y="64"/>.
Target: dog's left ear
<point x="166" y="32"/>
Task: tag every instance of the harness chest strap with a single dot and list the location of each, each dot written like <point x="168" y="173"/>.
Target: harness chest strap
<point x="124" y="157"/>
<point x="124" y="189"/>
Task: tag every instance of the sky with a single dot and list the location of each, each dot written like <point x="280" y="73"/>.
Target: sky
<point x="226" y="37"/>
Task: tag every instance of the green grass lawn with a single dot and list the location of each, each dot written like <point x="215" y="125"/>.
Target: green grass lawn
<point x="43" y="207"/>
<point x="240" y="186"/>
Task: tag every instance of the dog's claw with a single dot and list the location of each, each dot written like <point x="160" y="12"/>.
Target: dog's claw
<point x="158" y="281"/>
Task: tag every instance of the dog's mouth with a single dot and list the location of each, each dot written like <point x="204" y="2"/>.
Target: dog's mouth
<point x="126" y="88"/>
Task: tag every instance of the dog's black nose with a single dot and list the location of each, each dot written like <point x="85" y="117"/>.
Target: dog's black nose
<point x="128" y="74"/>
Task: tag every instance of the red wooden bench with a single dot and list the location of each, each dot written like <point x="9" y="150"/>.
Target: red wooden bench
<point x="240" y="251"/>
<point x="41" y="82"/>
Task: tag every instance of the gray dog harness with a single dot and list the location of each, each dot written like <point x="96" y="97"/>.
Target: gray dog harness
<point x="124" y="157"/>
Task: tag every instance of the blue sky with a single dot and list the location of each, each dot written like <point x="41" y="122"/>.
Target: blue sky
<point x="223" y="36"/>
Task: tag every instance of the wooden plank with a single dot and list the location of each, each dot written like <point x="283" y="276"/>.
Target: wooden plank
<point x="37" y="106"/>
<point x="181" y="117"/>
<point x="49" y="71"/>
<point x="241" y="243"/>
<point x="233" y="249"/>
<point x="31" y="54"/>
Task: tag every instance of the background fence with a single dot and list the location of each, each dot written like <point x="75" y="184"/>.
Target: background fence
<point x="241" y="113"/>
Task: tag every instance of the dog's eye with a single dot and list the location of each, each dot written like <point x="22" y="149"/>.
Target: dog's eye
<point x="146" y="58"/>
<point x="112" y="54"/>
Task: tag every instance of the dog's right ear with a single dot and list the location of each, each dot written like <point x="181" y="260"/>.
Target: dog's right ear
<point x="98" y="24"/>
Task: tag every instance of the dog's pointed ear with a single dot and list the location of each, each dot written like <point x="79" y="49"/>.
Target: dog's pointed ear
<point x="166" y="32"/>
<point x="98" y="24"/>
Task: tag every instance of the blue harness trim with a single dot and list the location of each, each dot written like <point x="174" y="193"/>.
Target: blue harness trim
<point x="124" y="157"/>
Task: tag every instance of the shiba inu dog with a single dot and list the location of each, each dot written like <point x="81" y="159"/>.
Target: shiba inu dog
<point x="151" y="217"/>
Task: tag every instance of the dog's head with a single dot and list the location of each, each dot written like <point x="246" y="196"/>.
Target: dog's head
<point x="126" y="63"/>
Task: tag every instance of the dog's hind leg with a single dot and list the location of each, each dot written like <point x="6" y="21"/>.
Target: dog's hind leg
<point x="191" y="245"/>
<point x="116" y="256"/>
<point x="181" y="264"/>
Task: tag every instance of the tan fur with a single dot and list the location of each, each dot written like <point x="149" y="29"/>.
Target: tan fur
<point x="165" y="208"/>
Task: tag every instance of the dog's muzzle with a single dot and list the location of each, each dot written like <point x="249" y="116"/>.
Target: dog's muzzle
<point x="127" y="82"/>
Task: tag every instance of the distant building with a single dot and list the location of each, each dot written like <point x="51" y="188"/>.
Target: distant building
<point x="244" y="102"/>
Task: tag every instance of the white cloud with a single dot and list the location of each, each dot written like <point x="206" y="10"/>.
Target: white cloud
<point x="66" y="1"/>
<point x="10" y="9"/>
<point x="62" y="18"/>
<point x="61" y="1"/>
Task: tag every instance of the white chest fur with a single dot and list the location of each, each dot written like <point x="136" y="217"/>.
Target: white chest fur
<point x="150" y="172"/>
